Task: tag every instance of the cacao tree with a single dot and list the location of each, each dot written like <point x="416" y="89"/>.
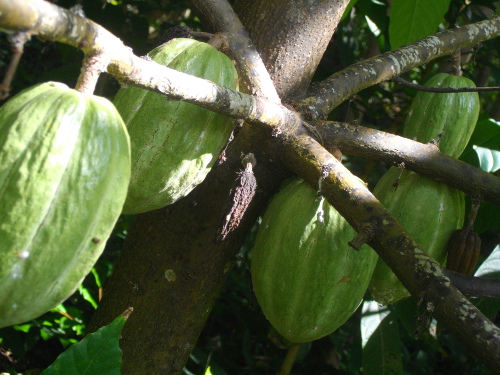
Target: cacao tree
<point x="174" y="262"/>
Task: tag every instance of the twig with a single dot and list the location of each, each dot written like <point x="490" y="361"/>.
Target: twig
<point x="418" y="87"/>
<point x="291" y="355"/>
<point x="472" y="286"/>
<point x="17" y="41"/>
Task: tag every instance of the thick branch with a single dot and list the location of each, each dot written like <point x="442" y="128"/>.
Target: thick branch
<point x="251" y="67"/>
<point x="55" y="23"/>
<point x="422" y="158"/>
<point x="328" y="94"/>
<point x="421" y="275"/>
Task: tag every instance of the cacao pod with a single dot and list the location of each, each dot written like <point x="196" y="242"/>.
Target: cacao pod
<point x="174" y="143"/>
<point x="306" y="278"/>
<point x="463" y="251"/>
<point x="429" y="211"/>
<point x="447" y="118"/>
<point x="64" y="173"/>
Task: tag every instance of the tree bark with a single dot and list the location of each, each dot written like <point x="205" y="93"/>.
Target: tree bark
<point x="292" y="39"/>
<point x="171" y="269"/>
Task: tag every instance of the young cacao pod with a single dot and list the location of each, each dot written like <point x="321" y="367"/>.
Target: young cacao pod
<point x="463" y="251"/>
<point x="64" y="173"/>
<point x="429" y="211"/>
<point x="174" y="143"/>
<point x="306" y="278"/>
<point x="446" y="118"/>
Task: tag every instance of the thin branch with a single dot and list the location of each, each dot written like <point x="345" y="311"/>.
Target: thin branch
<point x="328" y="94"/>
<point x="57" y="24"/>
<point x="251" y="67"/>
<point x="17" y="41"/>
<point x="422" y="158"/>
<point x="472" y="286"/>
<point x="414" y="86"/>
<point x="92" y="67"/>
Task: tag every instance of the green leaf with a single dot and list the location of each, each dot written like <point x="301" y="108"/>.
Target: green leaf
<point x="489" y="160"/>
<point x="407" y="312"/>
<point x="98" y="353"/>
<point x="380" y="340"/>
<point x="376" y="12"/>
<point x="483" y="149"/>
<point x="488" y="218"/>
<point x="347" y="10"/>
<point x="412" y="20"/>
<point x="87" y="296"/>
<point x="96" y="277"/>
<point x="491" y="266"/>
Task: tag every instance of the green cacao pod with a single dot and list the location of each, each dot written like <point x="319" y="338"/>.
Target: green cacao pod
<point x="306" y="278"/>
<point x="174" y="144"/>
<point x="429" y="211"/>
<point x="64" y="173"/>
<point x="447" y="118"/>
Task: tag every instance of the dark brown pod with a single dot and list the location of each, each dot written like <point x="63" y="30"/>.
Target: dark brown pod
<point x="463" y="249"/>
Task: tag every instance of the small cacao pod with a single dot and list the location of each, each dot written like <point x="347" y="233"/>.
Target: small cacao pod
<point x="447" y="118"/>
<point x="429" y="211"/>
<point x="463" y="251"/>
<point x="174" y="143"/>
<point x="64" y="173"/>
<point x="306" y="278"/>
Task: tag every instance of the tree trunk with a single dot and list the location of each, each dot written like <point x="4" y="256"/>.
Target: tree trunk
<point x="172" y="268"/>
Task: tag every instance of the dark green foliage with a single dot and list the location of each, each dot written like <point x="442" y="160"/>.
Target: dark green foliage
<point x="97" y="353"/>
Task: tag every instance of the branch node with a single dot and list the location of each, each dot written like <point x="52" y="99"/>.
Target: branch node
<point x="365" y="235"/>
<point x="93" y="65"/>
<point x="325" y="172"/>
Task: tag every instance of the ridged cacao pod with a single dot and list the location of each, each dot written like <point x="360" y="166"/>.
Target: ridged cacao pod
<point x="463" y="251"/>
<point x="306" y="278"/>
<point x="429" y="211"/>
<point x="447" y="118"/>
<point x="64" y="173"/>
<point x="174" y="143"/>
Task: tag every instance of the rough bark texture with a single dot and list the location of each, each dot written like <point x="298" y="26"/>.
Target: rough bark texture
<point x="171" y="269"/>
<point x="291" y="37"/>
<point x="219" y="15"/>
